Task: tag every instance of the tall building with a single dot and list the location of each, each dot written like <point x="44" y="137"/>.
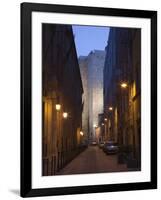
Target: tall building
<point x="122" y="93"/>
<point x="91" y="68"/>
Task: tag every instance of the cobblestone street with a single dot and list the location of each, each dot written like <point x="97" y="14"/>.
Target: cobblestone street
<point x="93" y="160"/>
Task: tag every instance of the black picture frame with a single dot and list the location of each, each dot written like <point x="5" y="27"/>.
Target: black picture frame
<point x="26" y="95"/>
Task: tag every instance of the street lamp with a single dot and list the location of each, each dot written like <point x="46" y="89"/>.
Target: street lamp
<point x="58" y="107"/>
<point x="65" y="115"/>
<point x="110" y="108"/>
<point x="94" y="126"/>
<point x="124" y="85"/>
<point x="81" y="133"/>
<point x="105" y="119"/>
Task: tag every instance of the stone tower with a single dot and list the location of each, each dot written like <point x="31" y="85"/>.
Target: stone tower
<point x="91" y="68"/>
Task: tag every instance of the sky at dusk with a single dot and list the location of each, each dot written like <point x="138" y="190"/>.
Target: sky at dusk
<point x="88" y="38"/>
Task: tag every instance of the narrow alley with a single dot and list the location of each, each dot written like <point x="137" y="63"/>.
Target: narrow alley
<point x="93" y="160"/>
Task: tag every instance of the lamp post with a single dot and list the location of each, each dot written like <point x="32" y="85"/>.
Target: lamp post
<point x="123" y="87"/>
<point x="105" y="128"/>
<point x="110" y="132"/>
<point x="102" y="129"/>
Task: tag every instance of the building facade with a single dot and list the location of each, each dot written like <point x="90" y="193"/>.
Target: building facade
<point x="122" y="89"/>
<point x="91" y="68"/>
<point x="62" y="97"/>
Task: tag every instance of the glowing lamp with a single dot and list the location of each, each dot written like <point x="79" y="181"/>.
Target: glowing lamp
<point x="110" y="108"/>
<point x="65" y="115"/>
<point x="58" y="107"/>
<point x="94" y="126"/>
<point x="81" y="133"/>
<point x="124" y="85"/>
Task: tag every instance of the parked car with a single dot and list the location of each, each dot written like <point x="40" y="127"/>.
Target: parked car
<point x="101" y="144"/>
<point x="110" y="147"/>
<point x="94" y="143"/>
